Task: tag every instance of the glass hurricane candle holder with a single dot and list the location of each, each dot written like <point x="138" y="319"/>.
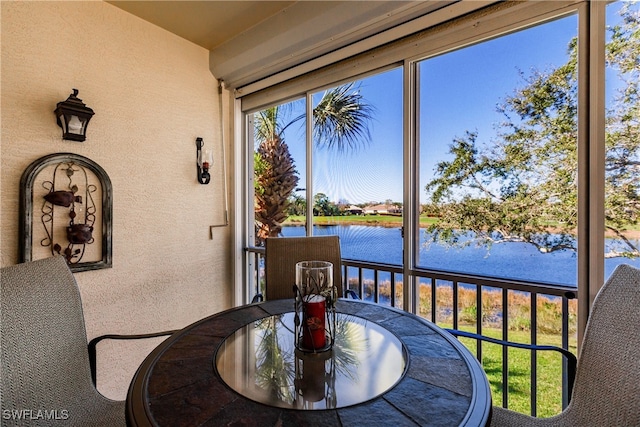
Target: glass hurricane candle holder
<point x="315" y="313"/>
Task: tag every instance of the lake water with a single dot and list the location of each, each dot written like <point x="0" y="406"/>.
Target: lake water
<point x="506" y="260"/>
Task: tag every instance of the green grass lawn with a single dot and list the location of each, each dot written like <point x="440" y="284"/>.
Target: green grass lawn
<point x="549" y="371"/>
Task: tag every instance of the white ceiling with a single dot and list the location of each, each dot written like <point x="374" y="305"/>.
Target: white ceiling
<point x="250" y="40"/>
<point x="205" y="23"/>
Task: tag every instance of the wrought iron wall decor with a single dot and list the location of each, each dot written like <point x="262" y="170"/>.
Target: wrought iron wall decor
<point x="61" y="213"/>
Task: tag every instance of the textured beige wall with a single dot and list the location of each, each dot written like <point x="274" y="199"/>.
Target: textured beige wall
<point x="152" y="94"/>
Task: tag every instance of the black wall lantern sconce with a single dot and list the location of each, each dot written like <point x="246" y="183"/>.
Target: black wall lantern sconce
<point x="73" y="117"/>
<point x="204" y="162"/>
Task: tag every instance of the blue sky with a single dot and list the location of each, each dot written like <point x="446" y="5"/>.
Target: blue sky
<point x="459" y="92"/>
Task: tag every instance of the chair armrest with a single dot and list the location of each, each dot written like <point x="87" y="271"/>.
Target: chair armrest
<point x="94" y="343"/>
<point x="572" y="361"/>
<point x="349" y="293"/>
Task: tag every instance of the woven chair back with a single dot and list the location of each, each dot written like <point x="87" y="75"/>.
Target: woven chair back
<point x="607" y="387"/>
<point x="282" y="254"/>
<point x="45" y="362"/>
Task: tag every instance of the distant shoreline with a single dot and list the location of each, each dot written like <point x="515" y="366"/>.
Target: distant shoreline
<point x="372" y="223"/>
<point x="393" y="221"/>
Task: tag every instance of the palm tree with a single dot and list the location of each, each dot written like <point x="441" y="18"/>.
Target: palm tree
<point x="340" y="121"/>
<point x="275" y="174"/>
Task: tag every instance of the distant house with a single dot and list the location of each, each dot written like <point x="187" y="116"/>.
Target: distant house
<point x="375" y="209"/>
<point x="382" y="209"/>
<point x="354" y="210"/>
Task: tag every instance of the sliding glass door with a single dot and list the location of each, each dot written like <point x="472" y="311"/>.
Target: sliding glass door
<point x="462" y="149"/>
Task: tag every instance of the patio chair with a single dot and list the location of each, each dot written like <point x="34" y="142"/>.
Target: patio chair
<point x="47" y="377"/>
<point x="282" y="254"/>
<point x="606" y="391"/>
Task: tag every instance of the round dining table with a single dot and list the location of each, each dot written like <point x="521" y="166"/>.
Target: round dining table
<point x="239" y="367"/>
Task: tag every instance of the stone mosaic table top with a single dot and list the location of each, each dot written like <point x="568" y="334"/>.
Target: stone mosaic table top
<point x="179" y="383"/>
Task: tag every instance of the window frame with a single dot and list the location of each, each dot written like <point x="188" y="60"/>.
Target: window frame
<point x="449" y="34"/>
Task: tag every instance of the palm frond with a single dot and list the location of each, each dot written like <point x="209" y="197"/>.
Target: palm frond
<point x="341" y="119"/>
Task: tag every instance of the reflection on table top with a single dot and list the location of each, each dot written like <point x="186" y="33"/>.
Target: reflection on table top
<point x="260" y="362"/>
<point x="177" y="384"/>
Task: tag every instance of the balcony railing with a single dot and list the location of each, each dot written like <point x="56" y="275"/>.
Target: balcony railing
<point x="545" y="312"/>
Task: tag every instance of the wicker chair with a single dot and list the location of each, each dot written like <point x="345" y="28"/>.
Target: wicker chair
<point x="46" y="369"/>
<point x="282" y="254"/>
<point x="606" y="391"/>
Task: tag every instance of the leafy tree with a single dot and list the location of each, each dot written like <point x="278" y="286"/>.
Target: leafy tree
<point x="340" y="121"/>
<point x="523" y="186"/>
<point x="297" y="205"/>
<point x="323" y="206"/>
<point x="622" y="205"/>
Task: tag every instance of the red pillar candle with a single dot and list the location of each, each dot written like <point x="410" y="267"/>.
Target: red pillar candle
<point x="314" y="308"/>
